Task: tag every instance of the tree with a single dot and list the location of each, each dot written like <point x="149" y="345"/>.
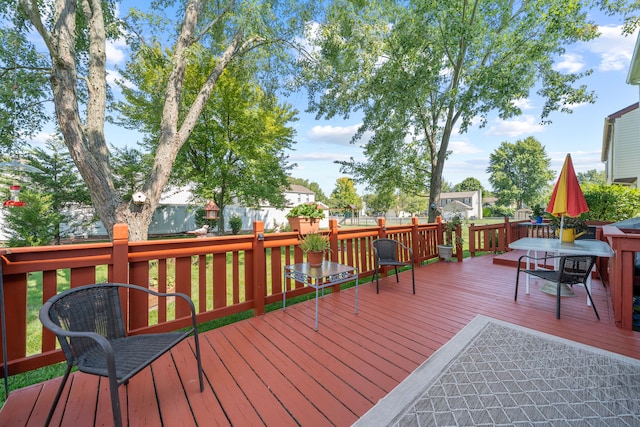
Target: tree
<point x="129" y="167"/>
<point x="236" y="150"/>
<point x="52" y="198"/>
<point x="592" y="176"/>
<point x="379" y="204"/>
<point x="519" y="172"/>
<point x="419" y="70"/>
<point x="75" y="37"/>
<point x="611" y="203"/>
<point x="469" y="184"/>
<point x="344" y="194"/>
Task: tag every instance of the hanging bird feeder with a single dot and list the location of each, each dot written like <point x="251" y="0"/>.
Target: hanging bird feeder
<point x="211" y="210"/>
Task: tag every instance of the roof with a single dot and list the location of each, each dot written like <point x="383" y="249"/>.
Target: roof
<point x="297" y="188"/>
<point x="457" y="195"/>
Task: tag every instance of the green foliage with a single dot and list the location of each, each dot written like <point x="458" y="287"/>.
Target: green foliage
<point x="235" y="222"/>
<point x="379" y="204"/>
<point x="499" y="211"/>
<point x="314" y="242"/>
<point x="344" y="194"/>
<point x="611" y="203"/>
<point x="306" y="210"/>
<point x="450" y="227"/>
<point x="200" y="217"/>
<point x="34" y="223"/>
<point x="592" y="176"/>
<point x="469" y="184"/>
<point x="519" y="172"/>
<point x="130" y="167"/>
<point x="55" y="196"/>
<point x="457" y="67"/>
<point x="578" y="223"/>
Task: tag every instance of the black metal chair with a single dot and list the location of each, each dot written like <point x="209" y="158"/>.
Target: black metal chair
<point x="90" y="327"/>
<point x="385" y="253"/>
<point x="572" y="270"/>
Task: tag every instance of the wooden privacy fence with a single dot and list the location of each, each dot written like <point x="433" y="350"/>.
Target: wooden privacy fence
<point x="224" y="275"/>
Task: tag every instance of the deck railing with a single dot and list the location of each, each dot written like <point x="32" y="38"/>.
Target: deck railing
<point x="224" y="275"/>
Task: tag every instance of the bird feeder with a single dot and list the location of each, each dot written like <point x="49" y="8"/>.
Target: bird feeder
<point x="211" y="210"/>
<point x="14" y="190"/>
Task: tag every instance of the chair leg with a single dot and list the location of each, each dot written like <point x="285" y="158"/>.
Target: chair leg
<point x="591" y="299"/>
<point x="558" y="301"/>
<point x="413" y="280"/>
<point x="515" y="298"/>
<point x="58" y="394"/>
<point x="198" y="359"/>
<point x="396" y="269"/>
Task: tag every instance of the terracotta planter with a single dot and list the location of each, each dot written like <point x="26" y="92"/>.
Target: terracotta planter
<point x="304" y="225"/>
<point x="315" y="258"/>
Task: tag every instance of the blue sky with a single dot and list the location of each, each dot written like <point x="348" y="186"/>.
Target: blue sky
<point x="321" y="142"/>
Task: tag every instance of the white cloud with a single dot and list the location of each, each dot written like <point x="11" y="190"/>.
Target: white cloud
<point x="114" y="76"/>
<point x="340" y="135"/>
<point x="41" y="138"/>
<point x="570" y="63"/>
<point x="318" y="157"/>
<point x="463" y="147"/>
<point x="613" y="49"/>
<point x="524" y="125"/>
<point x="116" y="51"/>
<point x="524" y="103"/>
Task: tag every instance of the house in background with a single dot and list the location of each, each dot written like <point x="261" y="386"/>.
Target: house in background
<point x="468" y="204"/>
<point x="621" y="146"/>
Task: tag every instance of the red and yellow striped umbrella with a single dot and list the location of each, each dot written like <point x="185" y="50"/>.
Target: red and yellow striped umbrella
<point x="567" y="198"/>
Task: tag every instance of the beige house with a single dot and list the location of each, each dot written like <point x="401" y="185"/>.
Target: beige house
<point x="468" y="204"/>
<point x="621" y="146"/>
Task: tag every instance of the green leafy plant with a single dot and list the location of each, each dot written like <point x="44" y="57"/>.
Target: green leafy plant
<point x="315" y="242"/>
<point x="235" y="222"/>
<point x="537" y="211"/>
<point x="578" y="223"/>
<point x="450" y="227"/>
<point x="307" y="210"/>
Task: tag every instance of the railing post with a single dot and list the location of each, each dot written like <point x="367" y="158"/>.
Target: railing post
<point x="440" y="230"/>
<point x="119" y="268"/>
<point x="259" y="268"/>
<point x="333" y="239"/>
<point x="120" y="258"/>
<point x="415" y="241"/>
<point x="472" y="240"/>
<point x="382" y="228"/>
<point x="507" y="226"/>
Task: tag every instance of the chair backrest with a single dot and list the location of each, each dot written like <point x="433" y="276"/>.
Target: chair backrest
<point x="93" y="308"/>
<point x="575" y="268"/>
<point x="385" y="249"/>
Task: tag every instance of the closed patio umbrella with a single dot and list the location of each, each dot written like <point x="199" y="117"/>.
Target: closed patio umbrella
<point x="567" y="198"/>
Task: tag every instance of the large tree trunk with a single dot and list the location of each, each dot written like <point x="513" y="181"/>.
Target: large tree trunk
<point x="86" y="141"/>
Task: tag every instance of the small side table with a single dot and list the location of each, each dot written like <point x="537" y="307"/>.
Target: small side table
<point x="328" y="274"/>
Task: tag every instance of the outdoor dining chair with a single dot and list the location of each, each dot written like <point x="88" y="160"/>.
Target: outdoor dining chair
<point x="89" y="324"/>
<point x="386" y="253"/>
<point x="571" y="270"/>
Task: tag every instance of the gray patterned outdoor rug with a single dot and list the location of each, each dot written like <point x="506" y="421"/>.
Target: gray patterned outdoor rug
<point x="494" y="373"/>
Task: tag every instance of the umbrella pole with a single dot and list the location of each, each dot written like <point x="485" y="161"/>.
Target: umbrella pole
<point x="561" y="227"/>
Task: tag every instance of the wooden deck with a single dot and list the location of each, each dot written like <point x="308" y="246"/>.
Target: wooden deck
<point x="276" y="370"/>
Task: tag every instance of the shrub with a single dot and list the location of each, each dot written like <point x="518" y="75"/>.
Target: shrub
<point x="611" y="203"/>
<point x="235" y="222"/>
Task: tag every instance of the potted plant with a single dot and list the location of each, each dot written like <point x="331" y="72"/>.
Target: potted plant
<point x="571" y="227"/>
<point x="537" y="214"/>
<point x="450" y="226"/>
<point x="315" y="245"/>
<point x="305" y="218"/>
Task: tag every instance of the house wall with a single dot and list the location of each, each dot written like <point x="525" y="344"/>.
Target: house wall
<point x="467" y="203"/>
<point x="625" y="149"/>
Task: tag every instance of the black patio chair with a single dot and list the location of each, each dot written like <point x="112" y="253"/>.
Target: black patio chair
<point x="90" y="327"/>
<point x="572" y="270"/>
<point x="385" y="253"/>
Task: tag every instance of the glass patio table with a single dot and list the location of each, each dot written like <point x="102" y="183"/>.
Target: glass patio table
<point x="328" y="274"/>
<point x="556" y="247"/>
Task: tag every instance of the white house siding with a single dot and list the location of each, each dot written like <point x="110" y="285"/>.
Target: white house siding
<point x="621" y="146"/>
<point x="627" y="146"/>
<point x="467" y="203"/>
